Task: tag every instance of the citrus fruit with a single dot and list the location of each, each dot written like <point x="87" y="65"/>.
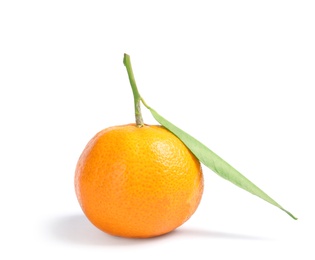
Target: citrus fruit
<point x="136" y="181"/>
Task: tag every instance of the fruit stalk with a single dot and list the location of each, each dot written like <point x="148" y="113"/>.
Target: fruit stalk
<point x="136" y="95"/>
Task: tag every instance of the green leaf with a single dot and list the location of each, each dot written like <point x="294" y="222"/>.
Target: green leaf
<point x="214" y="162"/>
<point x="203" y="153"/>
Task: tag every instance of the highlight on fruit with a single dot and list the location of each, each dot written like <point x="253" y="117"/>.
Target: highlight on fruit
<point x="139" y="180"/>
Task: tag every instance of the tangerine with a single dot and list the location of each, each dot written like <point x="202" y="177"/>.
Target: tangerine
<point x="136" y="181"/>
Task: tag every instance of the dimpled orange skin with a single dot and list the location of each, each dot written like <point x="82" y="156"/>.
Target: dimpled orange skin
<point x="138" y="181"/>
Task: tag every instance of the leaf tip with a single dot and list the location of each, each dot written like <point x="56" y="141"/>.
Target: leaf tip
<point x="290" y="214"/>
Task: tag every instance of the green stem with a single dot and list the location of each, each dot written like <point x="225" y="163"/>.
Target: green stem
<point x="136" y="94"/>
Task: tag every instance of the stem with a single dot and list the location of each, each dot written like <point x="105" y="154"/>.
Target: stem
<point x="136" y="94"/>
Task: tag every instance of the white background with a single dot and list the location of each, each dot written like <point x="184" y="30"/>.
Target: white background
<point x="237" y="75"/>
